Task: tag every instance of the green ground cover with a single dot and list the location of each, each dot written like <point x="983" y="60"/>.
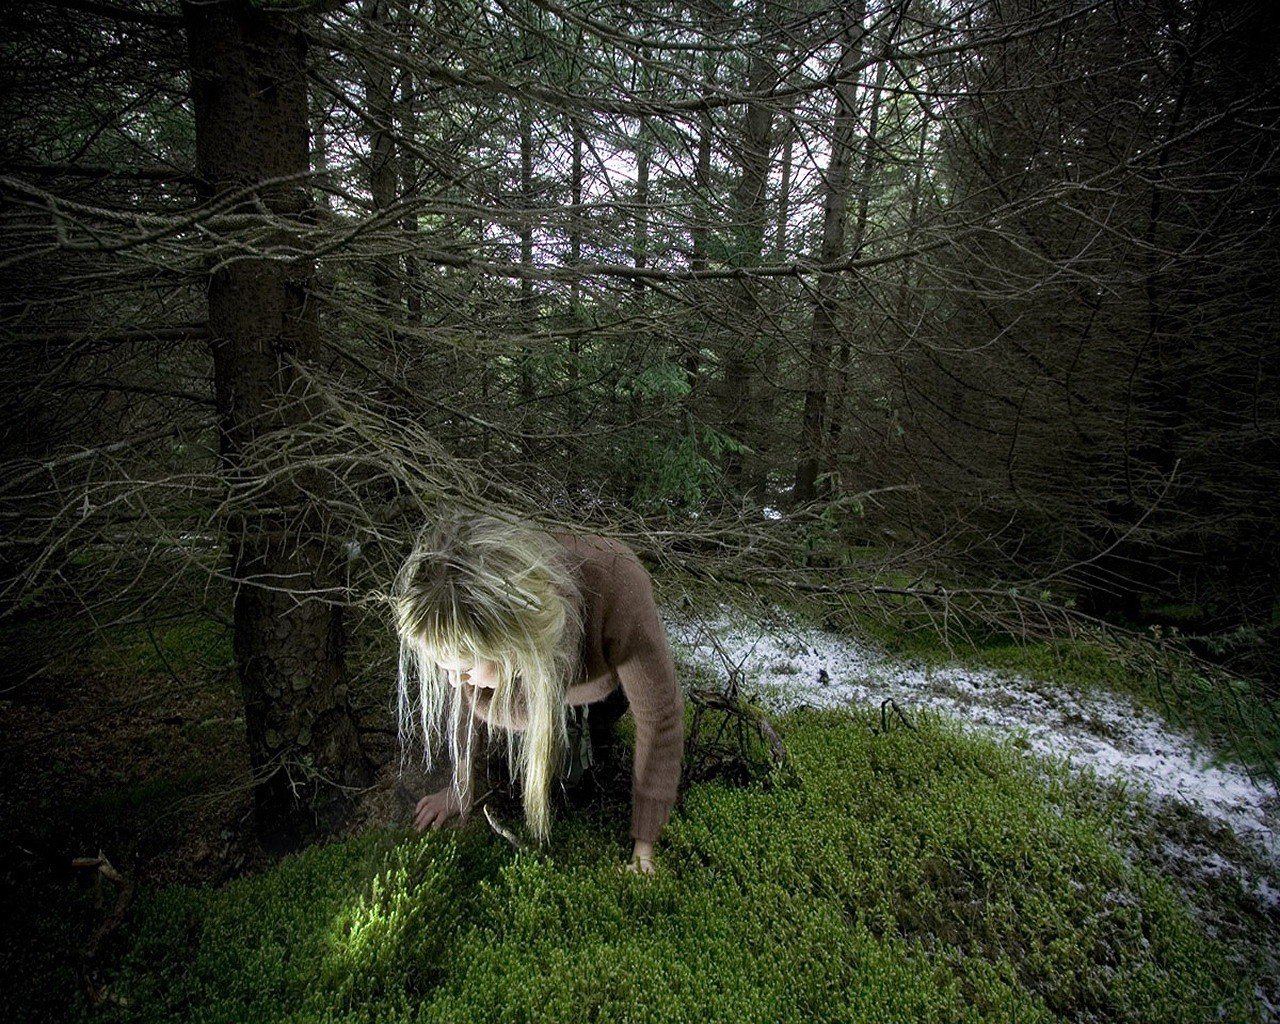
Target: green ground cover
<point x="896" y="876"/>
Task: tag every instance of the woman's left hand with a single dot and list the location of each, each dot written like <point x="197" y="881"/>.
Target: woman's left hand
<point x="641" y="862"/>
<point x="640" y="865"/>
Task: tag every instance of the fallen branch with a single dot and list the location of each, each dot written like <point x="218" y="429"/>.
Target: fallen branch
<point x="502" y="829"/>
<point x="95" y="992"/>
<point x="735" y="757"/>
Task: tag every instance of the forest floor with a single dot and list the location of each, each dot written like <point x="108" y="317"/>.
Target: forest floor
<point x="137" y="752"/>
<point x="788" y="664"/>
<point x="1198" y="817"/>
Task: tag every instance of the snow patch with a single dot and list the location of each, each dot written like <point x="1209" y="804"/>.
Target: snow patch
<point x="792" y="665"/>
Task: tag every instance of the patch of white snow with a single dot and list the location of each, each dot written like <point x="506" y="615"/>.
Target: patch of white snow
<point x="791" y="665"/>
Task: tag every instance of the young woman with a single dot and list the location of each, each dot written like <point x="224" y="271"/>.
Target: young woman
<point x="526" y="633"/>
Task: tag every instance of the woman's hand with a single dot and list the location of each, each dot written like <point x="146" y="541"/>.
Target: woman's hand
<point x="641" y="862"/>
<point x="435" y="809"/>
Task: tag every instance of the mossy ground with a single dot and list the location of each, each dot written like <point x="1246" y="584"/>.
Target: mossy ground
<point x="884" y="876"/>
<point x="899" y="876"/>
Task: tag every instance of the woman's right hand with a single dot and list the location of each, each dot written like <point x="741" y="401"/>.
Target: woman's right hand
<point x="435" y="809"/>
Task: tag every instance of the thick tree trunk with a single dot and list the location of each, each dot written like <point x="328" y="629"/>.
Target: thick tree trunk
<point x="824" y="330"/>
<point x="250" y="98"/>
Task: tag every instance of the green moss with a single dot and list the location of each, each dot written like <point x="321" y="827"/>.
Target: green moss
<point x="903" y="876"/>
<point x="182" y="647"/>
<point x="1184" y="613"/>
<point x="1229" y="715"/>
<point x="121" y="805"/>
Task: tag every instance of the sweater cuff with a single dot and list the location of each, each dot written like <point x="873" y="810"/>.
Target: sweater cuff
<point x="648" y="816"/>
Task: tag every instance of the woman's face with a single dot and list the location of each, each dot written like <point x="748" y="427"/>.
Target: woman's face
<point x="465" y="671"/>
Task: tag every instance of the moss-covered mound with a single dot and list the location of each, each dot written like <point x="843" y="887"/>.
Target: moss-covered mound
<point x="899" y="877"/>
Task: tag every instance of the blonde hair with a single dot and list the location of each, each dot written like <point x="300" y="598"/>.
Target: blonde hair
<point x="479" y="587"/>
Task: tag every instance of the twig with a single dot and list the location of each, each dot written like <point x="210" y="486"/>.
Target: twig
<point x="502" y="830"/>
<point x="94" y="992"/>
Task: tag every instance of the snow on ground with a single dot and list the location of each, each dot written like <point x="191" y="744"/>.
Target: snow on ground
<point x="792" y="664"/>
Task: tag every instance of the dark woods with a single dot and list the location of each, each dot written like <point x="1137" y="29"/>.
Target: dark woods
<point x="925" y="306"/>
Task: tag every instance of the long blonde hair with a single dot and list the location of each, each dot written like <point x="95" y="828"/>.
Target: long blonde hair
<point x="479" y="587"/>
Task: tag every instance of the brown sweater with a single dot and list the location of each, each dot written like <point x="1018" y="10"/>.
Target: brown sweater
<point x="624" y="645"/>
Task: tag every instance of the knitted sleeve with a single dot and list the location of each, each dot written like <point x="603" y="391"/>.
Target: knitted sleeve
<point x="635" y="645"/>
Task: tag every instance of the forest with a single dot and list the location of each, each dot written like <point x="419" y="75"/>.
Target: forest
<point x="947" y="326"/>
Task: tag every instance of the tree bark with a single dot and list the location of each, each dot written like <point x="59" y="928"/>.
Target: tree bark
<point x="575" y="245"/>
<point x="528" y="298"/>
<point x="840" y="392"/>
<point x="699" y="238"/>
<point x="824" y="330"/>
<point x="248" y="72"/>
<point x="320" y="158"/>
<point x="409" y="187"/>
<point x="640" y="238"/>
<point x="750" y="212"/>
<point x="526" y="224"/>
<point x="771" y="347"/>
<point x="382" y="163"/>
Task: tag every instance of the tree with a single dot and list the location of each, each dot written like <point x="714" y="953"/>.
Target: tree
<point x="826" y="318"/>
<point x="379" y="97"/>
<point x="248" y="73"/>
<point x="1014" y="303"/>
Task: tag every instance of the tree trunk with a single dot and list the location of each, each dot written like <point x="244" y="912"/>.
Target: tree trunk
<point x="784" y="188"/>
<point x="841" y="390"/>
<point x="409" y="186"/>
<point x="575" y="246"/>
<point x="1123" y="570"/>
<point x="771" y="348"/>
<point x="750" y="211"/>
<point x="526" y="223"/>
<point x="640" y="239"/>
<point x="824" y="329"/>
<point x="699" y="238"/>
<point x="248" y="72"/>
<point x="320" y="157"/>
<point x="903" y="307"/>
<point x="379" y="100"/>
<point x="528" y="308"/>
